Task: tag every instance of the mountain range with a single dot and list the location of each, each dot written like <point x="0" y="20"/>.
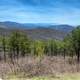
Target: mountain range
<point x="38" y="30"/>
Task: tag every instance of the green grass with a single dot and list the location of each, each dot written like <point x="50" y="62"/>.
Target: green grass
<point x="60" y="77"/>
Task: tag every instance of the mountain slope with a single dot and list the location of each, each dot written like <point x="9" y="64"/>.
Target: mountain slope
<point x="14" y="25"/>
<point x="45" y="34"/>
<point x="37" y="31"/>
<point x="64" y="28"/>
<point x="37" y="34"/>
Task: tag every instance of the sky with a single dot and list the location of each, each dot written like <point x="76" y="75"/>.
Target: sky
<point x="41" y="11"/>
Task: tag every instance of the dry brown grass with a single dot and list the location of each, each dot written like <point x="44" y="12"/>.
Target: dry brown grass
<point x="32" y="66"/>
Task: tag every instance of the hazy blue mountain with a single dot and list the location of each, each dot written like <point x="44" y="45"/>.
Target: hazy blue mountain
<point x="65" y="28"/>
<point x="11" y="25"/>
<point x="14" y="25"/>
<point x="37" y="31"/>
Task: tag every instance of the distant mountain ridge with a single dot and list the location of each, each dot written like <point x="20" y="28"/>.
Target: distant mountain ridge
<point x="37" y="31"/>
<point x="64" y="27"/>
<point x="15" y="25"/>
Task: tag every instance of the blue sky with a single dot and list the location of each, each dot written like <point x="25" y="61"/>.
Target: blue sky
<point x="41" y="11"/>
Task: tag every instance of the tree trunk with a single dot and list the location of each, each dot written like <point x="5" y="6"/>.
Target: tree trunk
<point x="4" y="54"/>
<point x="64" y="53"/>
<point x="17" y="51"/>
<point x="78" y="56"/>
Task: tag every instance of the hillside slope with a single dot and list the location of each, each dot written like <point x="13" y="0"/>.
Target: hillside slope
<point x="35" y="34"/>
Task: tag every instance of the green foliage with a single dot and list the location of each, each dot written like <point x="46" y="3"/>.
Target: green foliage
<point x="18" y="44"/>
<point x="38" y="48"/>
<point x="76" y="38"/>
<point x="76" y="41"/>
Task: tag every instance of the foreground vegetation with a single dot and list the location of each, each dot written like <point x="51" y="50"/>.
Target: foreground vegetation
<point x="33" y="58"/>
<point x="75" y="76"/>
<point x="18" y="45"/>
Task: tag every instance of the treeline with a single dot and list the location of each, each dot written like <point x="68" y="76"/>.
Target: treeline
<point x="17" y="44"/>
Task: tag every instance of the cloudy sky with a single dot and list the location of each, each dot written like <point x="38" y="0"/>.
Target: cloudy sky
<point x="41" y="11"/>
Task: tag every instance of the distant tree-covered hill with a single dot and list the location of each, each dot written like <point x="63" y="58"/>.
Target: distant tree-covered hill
<point x="38" y="30"/>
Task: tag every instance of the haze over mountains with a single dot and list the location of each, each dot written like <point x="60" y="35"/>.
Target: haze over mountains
<point x="38" y="30"/>
<point x="15" y="25"/>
